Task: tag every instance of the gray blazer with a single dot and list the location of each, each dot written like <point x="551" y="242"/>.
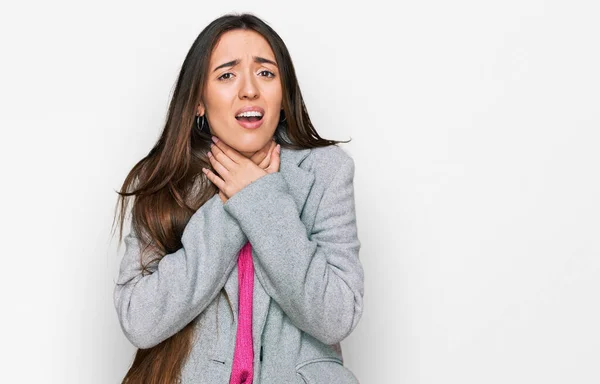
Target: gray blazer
<point x="308" y="280"/>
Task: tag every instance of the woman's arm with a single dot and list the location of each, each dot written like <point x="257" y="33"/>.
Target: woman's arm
<point x="317" y="280"/>
<point x="153" y="308"/>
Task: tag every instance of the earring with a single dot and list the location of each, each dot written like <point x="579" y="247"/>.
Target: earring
<point x="200" y="127"/>
<point x="284" y="118"/>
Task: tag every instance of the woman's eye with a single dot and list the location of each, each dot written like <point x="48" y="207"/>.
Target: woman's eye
<point x="222" y="77"/>
<point x="270" y="74"/>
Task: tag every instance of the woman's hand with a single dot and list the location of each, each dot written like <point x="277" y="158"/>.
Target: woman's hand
<point x="236" y="171"/>
<point x="262" y="157"/>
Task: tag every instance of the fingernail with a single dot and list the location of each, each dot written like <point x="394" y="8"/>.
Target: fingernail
<point x="215" y="139"/>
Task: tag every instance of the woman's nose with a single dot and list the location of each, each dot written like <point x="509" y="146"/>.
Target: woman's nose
<point x="248" y="89"/>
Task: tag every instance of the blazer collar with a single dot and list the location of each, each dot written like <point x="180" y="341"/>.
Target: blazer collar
<point x="299" y="181"/>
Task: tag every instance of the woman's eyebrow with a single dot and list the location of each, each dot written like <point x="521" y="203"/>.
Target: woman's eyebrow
<point x="257" y="59"/>
<point x="262" y="60"/>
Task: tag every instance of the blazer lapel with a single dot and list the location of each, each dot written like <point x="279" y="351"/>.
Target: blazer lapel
<point x="298" y="180"/>
<point x="299" y="184"/>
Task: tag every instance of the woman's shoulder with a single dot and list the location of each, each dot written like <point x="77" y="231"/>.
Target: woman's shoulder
<point x="326" y="162"/>
<point x="331" y="154"/>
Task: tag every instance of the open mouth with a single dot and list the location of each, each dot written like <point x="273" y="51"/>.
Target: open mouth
<point x="250" y="117"/>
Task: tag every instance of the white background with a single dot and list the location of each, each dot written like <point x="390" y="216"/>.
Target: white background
<point x="474" y="129"/>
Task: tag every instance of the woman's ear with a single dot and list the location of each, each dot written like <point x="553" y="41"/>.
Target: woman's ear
<point x="200" y="109"/>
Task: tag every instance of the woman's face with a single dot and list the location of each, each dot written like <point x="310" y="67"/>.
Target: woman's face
<point x="242" y="73"/>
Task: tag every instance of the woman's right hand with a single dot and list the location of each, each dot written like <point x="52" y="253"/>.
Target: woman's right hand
<point x="262" y="158"/>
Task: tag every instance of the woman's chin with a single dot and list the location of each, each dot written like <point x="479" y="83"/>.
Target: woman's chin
<point x="248" y="147"/>
<point x="251" y="143"/>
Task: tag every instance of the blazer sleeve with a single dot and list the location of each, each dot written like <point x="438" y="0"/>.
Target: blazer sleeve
<point x="154" y="307"/>
<point x="317" y="279"/>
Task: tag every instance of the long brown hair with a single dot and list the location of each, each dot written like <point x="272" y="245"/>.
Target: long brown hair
<point x="161" y="184"/>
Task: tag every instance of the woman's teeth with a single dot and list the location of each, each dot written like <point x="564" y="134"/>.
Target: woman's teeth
<point x="249" y="116"/>
<point x="250" y="113"/>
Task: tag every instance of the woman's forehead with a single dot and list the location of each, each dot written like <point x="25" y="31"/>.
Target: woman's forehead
<point x="242" y="45"/>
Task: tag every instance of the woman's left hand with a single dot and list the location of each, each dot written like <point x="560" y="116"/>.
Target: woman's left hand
<point x="235" y="171"/>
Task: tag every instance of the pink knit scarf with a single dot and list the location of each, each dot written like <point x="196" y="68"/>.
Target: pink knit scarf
<point x="243" y="357"/>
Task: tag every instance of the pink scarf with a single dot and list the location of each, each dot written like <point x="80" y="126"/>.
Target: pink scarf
<point x="243" y="357"/>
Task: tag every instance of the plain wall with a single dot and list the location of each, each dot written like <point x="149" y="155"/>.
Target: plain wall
<point x="475" y="134"/>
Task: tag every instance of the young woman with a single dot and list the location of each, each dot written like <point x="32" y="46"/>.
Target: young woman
<point x="242" y="263"/>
